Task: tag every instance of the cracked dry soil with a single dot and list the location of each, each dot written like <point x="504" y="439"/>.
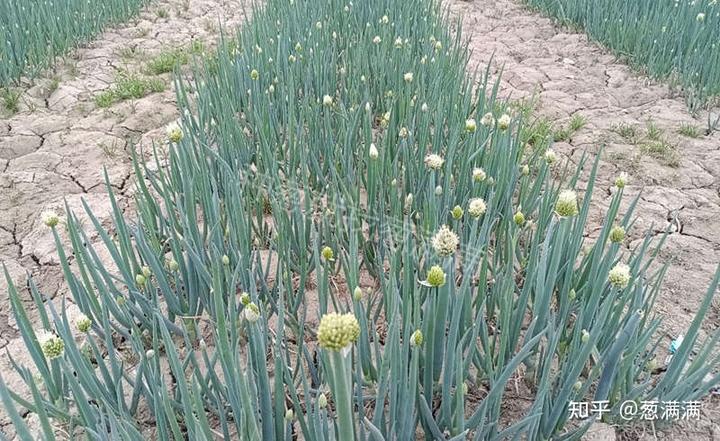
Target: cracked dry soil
<point x="55" y="148"/>
<point x="679" y="185"/>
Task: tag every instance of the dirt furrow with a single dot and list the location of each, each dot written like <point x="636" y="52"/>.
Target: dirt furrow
<point x="643" y="128"/>
<point x="54" y="147"/>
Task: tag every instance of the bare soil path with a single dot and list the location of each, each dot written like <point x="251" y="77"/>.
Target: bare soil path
<point x="638" y="121"/>
<point x="55" y="146"/>
<point x="626" y="113"/>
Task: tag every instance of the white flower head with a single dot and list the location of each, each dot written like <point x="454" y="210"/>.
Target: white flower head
<point x="434" y="161"/>
<point x="408" y="77"/>
<point x="83" y="323"/>
<point x="476" y="207"/>
<point x="619" y="275"/>
<point x="470" y="125"/>
<point x="445" y="242"/>
<point x="251" y="312"/>
<point x="478" y="174"/>
<point x="488" y="120"/>
<point x="377" y="39"/>
<point x="408" y="201"/>
<point x="550" y="156"/>
<point x="50" y="218"/>
<point x="373" y="151"/>
<point x="504" y="122"/>
<point x="416" y="339"/>
<point x="566" y="205"/>
<point x="174" y="132"/>
<point x="621" y="180"/>
<point x="327" y="100"/>
<point x="51" y="344"/>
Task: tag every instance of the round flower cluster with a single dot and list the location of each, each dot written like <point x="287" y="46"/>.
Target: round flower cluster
<point x="50" y="218"/>
<point x="83" y="323"/>
<point x="174" y="132"/>
<point x="617" y="234"/>
<point x="470" y="125"/>
<point x="566" y="205"/>
<point x="619" y="275"/>
<point x="487" y="120"/>
<point x="373" y="151"/>
<point x="416" y="339"/>
<point x="322" y="401"/>
<point x="327" y="254"/>
<point x="504" y="122"/>
<point x="338" y="331"/>
<point x="435" y="277"/>
<point x="457" y="212"/>
<point x="445" y="242"/>
<point x="251" y="312"/>
<point x="476" y="207"/>
<point x="434" y="161"/>
<point x="621" y="180"/>
<point x="52" y="345"/>
<point x="478" y="174"/>
<point x="550" y="156"/>
<point x="584" y="336"/>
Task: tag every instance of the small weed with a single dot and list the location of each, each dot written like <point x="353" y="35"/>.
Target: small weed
<point x="654" y="133"/>
<point x="663" y="151"/>
<point x="525" y="107"/>
<point x="109" y="150"/>
<point x="105" y="99"/>
<point x="689" y="130"/>
<point x="577" y="122"/>
<point x="130" y="53"/>
<point x="142" y="32"/>
<point x="562" y="134"/>
<point x="10" y="99"/>
<point x="166" y="61"/>
<point x="210" y="26"/>
<point x="53" y="86"/>
<point x="627" y="132"/>
<point x="129" y="86"/>
<point x="162" y="13"/>
<point x="538" y="133"/>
